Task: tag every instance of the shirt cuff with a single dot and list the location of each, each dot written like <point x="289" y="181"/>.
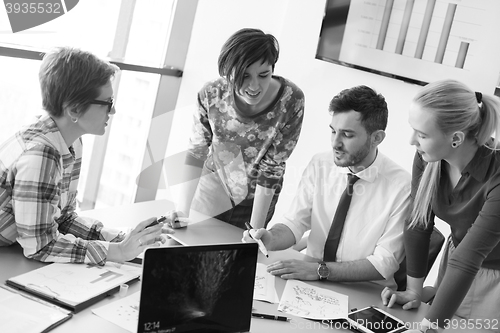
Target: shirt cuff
<point x="113" y="235"/>
<point x="97" y="252"/>
<point x="297" y="232"/>
<point x="384" y="262"/>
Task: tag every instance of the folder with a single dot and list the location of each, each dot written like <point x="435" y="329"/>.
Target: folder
<point x="24" y="313"/>
<point x="75" y="286"/>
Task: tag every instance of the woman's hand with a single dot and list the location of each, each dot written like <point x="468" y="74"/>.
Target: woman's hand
<point x="137" y="240"/>
<point x="408" y="298"/>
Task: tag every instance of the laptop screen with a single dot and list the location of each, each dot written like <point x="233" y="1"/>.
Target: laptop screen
<point x="207" y="288"/>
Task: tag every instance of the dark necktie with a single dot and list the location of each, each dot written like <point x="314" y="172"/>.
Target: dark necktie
<point x="332" y="241"/>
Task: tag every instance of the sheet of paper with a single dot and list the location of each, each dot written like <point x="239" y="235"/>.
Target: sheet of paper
<point x="307" y="301"/>
<point x="124" y="312"/>
<point x="264" y="289"/>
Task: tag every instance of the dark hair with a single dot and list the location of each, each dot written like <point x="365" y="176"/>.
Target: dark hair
<point x="71" y="78"/>
<point x="366" y="101"/>
<point x="242" y="49"/>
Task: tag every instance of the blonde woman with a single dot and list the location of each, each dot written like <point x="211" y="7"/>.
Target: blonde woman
<point x="456" y="177"/>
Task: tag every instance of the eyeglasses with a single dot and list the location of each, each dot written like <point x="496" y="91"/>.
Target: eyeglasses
<point x="110" y="104"/>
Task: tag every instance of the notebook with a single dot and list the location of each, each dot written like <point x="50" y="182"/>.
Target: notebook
<point x="75" y="286"/>
<point x="205" y="288"/>
<point x="21" y="312"/>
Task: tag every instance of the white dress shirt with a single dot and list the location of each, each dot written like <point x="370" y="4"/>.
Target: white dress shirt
<point x="374" y="224"/>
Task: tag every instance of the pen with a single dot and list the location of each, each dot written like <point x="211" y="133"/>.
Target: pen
<point x="267" y="316"/>
<point x="261" y="245"/>
<point x="157" y="221"/>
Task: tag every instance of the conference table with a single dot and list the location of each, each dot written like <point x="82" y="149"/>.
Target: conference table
<point x="204" y="230"/>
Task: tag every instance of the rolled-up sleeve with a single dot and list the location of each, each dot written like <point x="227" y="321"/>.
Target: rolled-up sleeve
<point x="36" y="203"/>
<point x="389" y="251"/>
<point x="298" y="217"/>
<point x="417" y="239"/>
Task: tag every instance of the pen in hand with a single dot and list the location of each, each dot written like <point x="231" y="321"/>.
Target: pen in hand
<point x="267" y="316"/>
<point x="262" y="248"/>
<point x="157" y="221"/>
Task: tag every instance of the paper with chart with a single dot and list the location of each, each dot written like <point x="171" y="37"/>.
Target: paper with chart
<point x="264" y="289"/>
<point x="307" y="301"/>
<point x="124" y="312"/>
<point x="76" y="283"/>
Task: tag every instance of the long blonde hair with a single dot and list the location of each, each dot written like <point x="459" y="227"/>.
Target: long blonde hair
<point x="455" y="108"/>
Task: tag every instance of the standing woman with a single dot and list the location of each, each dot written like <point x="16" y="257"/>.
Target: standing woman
<point x="40" y="167"/>
<point x="456" y="177"/>
<point x="246" y="126"/>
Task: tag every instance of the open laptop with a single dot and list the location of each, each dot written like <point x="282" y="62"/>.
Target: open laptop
<point x="204" y="288"/>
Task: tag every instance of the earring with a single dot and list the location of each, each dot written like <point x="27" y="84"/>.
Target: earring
<point x="454" y="145"/>
<point x="75" y="120"/>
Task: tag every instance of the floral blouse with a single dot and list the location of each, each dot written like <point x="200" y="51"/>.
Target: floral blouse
<point x="245" y="150"/>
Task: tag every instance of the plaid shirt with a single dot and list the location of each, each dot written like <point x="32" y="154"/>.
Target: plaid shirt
<point x="38" y="185"/>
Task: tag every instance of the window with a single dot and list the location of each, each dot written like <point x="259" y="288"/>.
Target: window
<point x="125" y="30"/>
<point x="20" y="98"/>
<point x="136" y="36"/>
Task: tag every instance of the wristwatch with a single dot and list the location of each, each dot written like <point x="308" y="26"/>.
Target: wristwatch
<point x="323" y="271"/>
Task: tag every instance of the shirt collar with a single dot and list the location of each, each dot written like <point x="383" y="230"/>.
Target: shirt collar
<point x="55" y="138"/>
<point x="369" y="174"/>
<point x="480" y="163"/>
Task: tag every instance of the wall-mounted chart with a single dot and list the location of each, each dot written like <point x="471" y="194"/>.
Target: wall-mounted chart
<point x="416" y="40"/>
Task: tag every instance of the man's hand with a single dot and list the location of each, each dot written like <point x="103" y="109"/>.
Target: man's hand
<point x="294" y="269"/>
<point x="263" y="234"/>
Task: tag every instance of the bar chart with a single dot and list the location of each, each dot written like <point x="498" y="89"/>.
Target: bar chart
<point x="421" y="40"/>
<point x="445" y="29"/>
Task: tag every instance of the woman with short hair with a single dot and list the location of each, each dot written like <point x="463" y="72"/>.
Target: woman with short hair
<point x="246" y="126"/>
<point x="40" y="167"/>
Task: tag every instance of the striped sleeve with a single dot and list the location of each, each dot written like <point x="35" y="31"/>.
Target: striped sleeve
<point x="36" y="197"/>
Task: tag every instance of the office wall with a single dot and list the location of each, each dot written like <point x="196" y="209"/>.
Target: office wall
<point x="296" y="24"/>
